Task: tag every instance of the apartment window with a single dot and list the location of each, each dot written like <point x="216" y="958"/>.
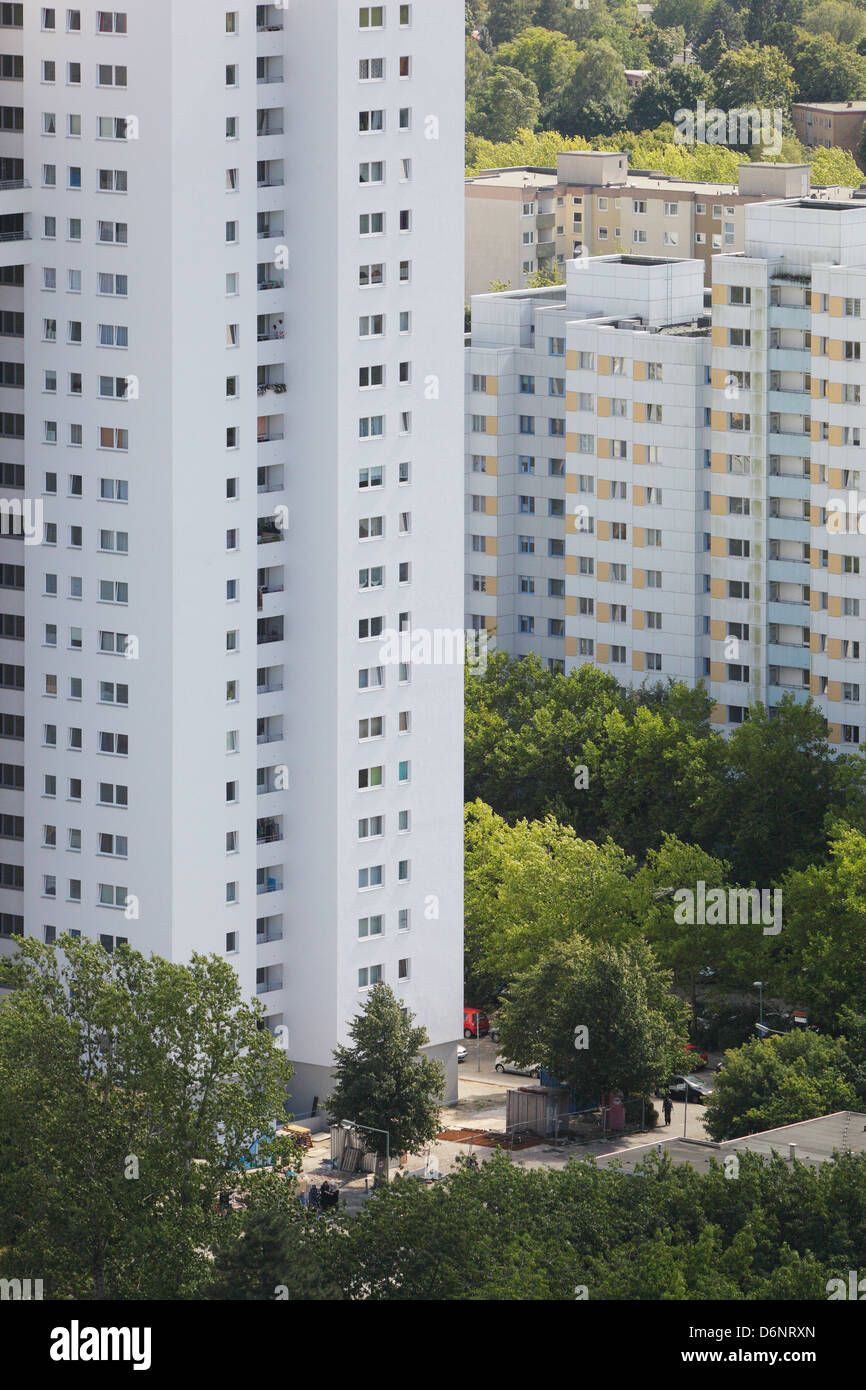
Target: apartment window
<point x="371" y="877"/>
<point x="108" y="75"/>
<point x="371" y="122"/>
<point x="371" y="172"/>
<point x="739" y="337"/>
<point x="371" y="17"/>
<point x="370" y="926"/>
<point x="114" y="22"/>
<point x="371" y="678"/>
<point x="112" y="232"/>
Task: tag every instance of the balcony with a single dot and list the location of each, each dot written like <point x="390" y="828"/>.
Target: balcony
<point x="270" y="478"/>
<point x="269" y="880"/>
<point x="269" y="630"/>
<point x="270" y="680"/>
<point x="269" y="830"/>
<point x="269" y="19"/>
<point x="269" y="929"/>
<point x="790" y="655"/>
<point x="268" y="979"/>
<point x="269" y="328"/>
<point x="268" y="531"/>
<point x="269" y="124"/>
<point x="545" y="249"/>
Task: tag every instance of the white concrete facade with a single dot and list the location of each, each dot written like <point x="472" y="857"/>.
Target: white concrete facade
<point x="712" y="451"/>
<point x="208" y="188"/>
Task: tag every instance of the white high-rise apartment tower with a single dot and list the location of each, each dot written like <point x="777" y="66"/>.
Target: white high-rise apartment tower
<point x="230" y="269"/>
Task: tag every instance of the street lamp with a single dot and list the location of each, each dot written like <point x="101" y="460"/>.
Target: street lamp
<point x="476" y="1014"/>
<point x="353" y="1124"/>
<point x="759" y="986"/>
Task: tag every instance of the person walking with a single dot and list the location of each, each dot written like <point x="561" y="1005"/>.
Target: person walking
<point x="668" y="1108"/>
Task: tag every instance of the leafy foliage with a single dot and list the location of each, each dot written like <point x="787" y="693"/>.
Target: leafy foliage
<point x="132" y="1092"/>
<point x="382" y="1081"/>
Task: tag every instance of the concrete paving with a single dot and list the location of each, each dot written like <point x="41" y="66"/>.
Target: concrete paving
<point x="481" y="1105"/>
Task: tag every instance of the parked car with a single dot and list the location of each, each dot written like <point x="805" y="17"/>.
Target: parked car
<point x="696" y="1059"/>
<point x="475" y="1023"/>
<point x="494" y="1030"/>
<point x="461" y="1053"/>
<point x="697" y="1089"/>
<point x="503" y="1065"/>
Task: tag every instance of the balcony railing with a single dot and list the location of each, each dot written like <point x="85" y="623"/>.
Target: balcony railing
<point x="14" y="183"/>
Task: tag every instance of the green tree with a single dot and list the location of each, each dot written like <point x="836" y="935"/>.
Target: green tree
<point x="689" y="13"/>
<point x="828" y="71"/>
<point x="596" y="91"/>
<point x="577" y="22"/>
<point x="548" y="59"/>
<point x="546" y="276"/>
<point x="651" y="773"/>
<point x="753" y="76"/>
<point x="842" y="22"/>
<point x="779" y="1080"/>
<point x="132" y="1092"/>
<point x="661" y="95"/>
<point x="663" y="45"/>
<point x="686" y="949"/>
<point x="823" y="942"/>
<point x="635" y="1028"/>
<point x="834" y="167"/>
<point x="767" y="19"/>
<point x="725" y="20"/>
<point x="479" y="66"/>
<point x="508" y="18"/>
<point x="272" y="1257"/>
<point x="532" y="885"/>
<point x="779" y="790"/>
<point x="504" y="103"/>
<point x="710" y="53"/>
<point x="382" y="1081"/>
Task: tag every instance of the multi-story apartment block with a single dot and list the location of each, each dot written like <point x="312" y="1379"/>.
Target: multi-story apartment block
<point x="698" y="513"/>
<point x="243" y="440"/>
<point x="829" y="124"/>
<point x="522" y="221"/>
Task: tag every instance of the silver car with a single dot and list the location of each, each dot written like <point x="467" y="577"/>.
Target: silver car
<point x="503" y="1065"/>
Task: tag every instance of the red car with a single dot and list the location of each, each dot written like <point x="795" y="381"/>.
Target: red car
<point x="696" y="1059"/>
<point x="475" y="1023"/>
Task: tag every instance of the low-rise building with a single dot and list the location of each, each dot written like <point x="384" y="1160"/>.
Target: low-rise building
<point x="829" y="124"/>
<point x="523" y="221"/>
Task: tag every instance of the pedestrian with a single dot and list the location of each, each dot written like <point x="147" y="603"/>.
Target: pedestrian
<point x="668" y="1108"/>
<point x="314" y="1198"/>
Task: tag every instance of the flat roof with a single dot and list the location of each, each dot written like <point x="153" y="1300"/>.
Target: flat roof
<point x="831" y="105"/>
<point x="514" y="178"/>
<point x="816" y="1141"/>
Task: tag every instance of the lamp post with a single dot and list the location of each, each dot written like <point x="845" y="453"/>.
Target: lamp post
<point x="759" y="986"/>
<point x="353" y="1124"/>
<point x="477" y="1016"/>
